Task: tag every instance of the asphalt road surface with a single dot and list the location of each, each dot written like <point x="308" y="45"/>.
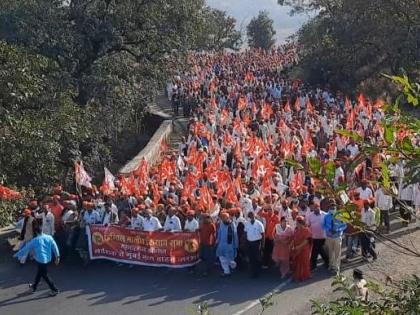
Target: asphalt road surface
<point x="106" y="288"/>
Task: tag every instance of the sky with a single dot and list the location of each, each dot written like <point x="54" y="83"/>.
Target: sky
<point x="244" y="10"/>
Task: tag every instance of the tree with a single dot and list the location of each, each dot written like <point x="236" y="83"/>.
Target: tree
<point x="402" y="298"/>
<point x="350" y="42"/>
<point x="260" y="31"/>
<point x="217" y="31"/>
<point x="77" y="76"/>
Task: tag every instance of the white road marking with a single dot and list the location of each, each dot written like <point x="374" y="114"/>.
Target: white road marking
<point x="256" y="302"/>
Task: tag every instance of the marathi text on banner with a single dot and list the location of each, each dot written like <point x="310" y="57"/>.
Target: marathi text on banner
<point x="160" y="249"/>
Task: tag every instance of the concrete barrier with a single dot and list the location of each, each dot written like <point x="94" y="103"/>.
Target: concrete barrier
<point x="151" y="152"/>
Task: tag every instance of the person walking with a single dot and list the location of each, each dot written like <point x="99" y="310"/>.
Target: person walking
<point x="315" y="223"/>
<point x="254" y="230"/>
<point x="367" y="237"/>
<point x="43" y="248"/>
<point x="282" y="244"/>
<point x="227" y="243"/>
<point x="334" y="229"/>
<point x="384" y="202"/>
<point x="301" y="250"/>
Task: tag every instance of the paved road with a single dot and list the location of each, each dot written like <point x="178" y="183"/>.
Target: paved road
<point x="105" y="288"/>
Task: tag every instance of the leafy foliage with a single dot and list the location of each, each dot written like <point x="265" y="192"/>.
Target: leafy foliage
<point x="403" y="298"/>
<point x="11" y="210"/>
<point x="350" y="42"/>
<point x="260" y="31"/>
<point x="76" y="77"/>
<point x="399" y="130"/>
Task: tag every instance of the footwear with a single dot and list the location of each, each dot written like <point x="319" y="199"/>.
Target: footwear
<point x="264" y="267"/>
<point x="53" y="293"/>
<point x="225" y="275"/>
<point x="31" y="287"/>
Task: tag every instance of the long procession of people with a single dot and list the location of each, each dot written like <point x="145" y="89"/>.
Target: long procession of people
<point x="229" y="179"/>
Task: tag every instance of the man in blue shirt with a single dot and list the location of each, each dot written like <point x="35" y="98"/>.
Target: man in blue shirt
<point x="334" y="229"/>
<point x="43" y="247"/>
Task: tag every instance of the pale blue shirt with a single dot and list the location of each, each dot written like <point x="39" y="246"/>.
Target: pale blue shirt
<point x="42" y="247"/>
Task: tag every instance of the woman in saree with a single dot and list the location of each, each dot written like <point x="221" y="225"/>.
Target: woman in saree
<point x="302" y="247"/>
<point x="283" y="235"/>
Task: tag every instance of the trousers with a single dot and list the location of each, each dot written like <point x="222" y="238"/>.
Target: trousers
<point x="224" y="262"/>
<point x="367" y="245"/>
<point x="268" y="252"/>
<point x="318" y="249"/>
<point x="42" y="272"/>
<point x="254" y="256"/>
<point x="334" y="252"/>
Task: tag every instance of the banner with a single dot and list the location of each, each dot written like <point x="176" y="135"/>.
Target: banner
<point x="160" y="249"/>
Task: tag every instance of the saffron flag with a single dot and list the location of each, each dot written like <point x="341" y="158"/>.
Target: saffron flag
<point x="81" y="176"/>
<point x="108" y="185"/>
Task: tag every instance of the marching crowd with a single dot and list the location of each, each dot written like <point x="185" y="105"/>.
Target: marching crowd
<point x="229" y="179"/>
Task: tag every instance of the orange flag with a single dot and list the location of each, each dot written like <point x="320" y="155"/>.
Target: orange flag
<point x="224" y="116"/>
<point x="206" y="199"/>
<point x="227" y="140"/>
<point x="347" y="105"/>
<point x="332" y="149"/>
<point x="266" y="111"/>
<point x="287" y="107"/>
<point x="189" y="185"/>
<point x="350" y="120"/>
<point x="297" y="104"/>
<point x="266" y="186"/>
<point x="242" y="103"/>
<point x="309" y="107"/>
<point x="231" y="195"/>
<point x="262" y="168"/>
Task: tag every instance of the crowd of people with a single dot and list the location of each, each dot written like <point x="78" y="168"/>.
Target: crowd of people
<point x="229" y="179"/>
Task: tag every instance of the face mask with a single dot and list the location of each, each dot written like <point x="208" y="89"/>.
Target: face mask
<point x="333" y="210"/>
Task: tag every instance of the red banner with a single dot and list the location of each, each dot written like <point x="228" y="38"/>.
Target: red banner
<point x="160" y="249"/>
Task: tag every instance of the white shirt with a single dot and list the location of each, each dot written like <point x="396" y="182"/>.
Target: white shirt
<point x="107" y="218"/>
<point x="368" y="217"/>
<point x="354" y="150"/>
<point x="137" y="222"/>
<point x="191" y="226"/>
<point x="365" y="194"/>
<point x="416" y="195"/>
<point x="316" y="223"/>
<point x="47" y="223"/>
<point x="254" y="230"/>
<point x="338" y="173"/>
<point x="152" y="224"/>
<point x="66" y="216"/>
<point x="255" y="194"/>
<point x="406" y="193"/>
<point x="91" y="218"/>
<point x="383" y="201"/>
<point x="172" y="224"/>
<point x="246" y="205"/>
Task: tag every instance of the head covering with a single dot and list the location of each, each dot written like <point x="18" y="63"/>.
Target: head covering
<point x="300" y="219"/>
<point x="224" y="216"/>
<point x="33" y="203"/>
<point x="358" y="273"/>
